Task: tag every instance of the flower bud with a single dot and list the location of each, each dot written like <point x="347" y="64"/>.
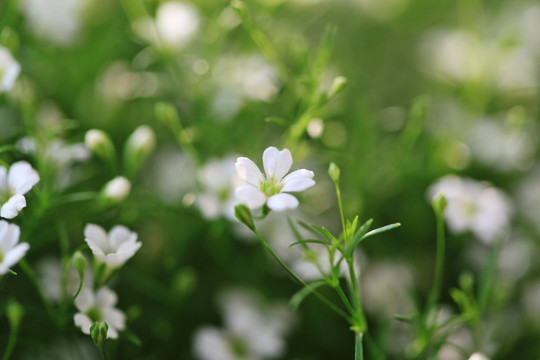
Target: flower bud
<point x="79" y="263"/>
<point x="439" y="203"/>
<point x="98" y="331"/>
<point x="100" y="144"/>
<point x="166" y="113"/>
<point x="14" y="313"/>
<point x="338" y="85"/>
<point x="117" y="189"/>
<point x="334" y="172"/>
<point x="137" y="148"/>
<point x="243" y="214"/>
<point x="240" y="8"/>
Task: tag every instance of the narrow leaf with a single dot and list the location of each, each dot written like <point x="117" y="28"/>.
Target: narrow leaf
<point x="309" y="241"/>
<point x="297" y="298"/>
<point x="409" y="319"/>
<point x="381" y="230"/>
<point x="358" y="237"/>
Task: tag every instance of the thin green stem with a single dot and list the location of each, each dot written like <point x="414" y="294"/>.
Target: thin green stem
<point x="340" y="204"/>
<point x="360" y="322"/>
<point x="439" y="264"/>
<point x="25" y="266"/>
<point x="13" y="334"/>
<point x="345" y="300"/>
<point x="358" y="346"/>
<point x="102" y="352"/>
<point x="302" y="282"/>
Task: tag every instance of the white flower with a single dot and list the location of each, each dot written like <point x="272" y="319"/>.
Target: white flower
<point x="113" y="249"/>
<point x="99" y="307"/>
<point x="9" y="70"/>
<point x="117" y="189"/>
<point x="272" y="188"/>
<point x="475" y="206"/>
<point x="218" y="179"/>
<point x="478" y="356"/>
<point x="13" y="185"/>
<point x="10" y="251"/>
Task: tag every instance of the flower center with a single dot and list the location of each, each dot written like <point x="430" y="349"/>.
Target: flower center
<point x="94" y="313"/>
<point x="271" y="187"/>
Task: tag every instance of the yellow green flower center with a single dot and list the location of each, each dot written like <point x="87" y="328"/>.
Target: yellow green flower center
<point x="271" y="187"/>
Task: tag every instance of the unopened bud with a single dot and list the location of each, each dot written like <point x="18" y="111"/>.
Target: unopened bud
<point x="243" y="214"/>
<point x="138" y="146"/>
<point x="98" y="331"/>
<point x="240" y="8"/>
<point x="439" y="203"/>
<point x="79" y="263"/>
<point x="166" y="113"/>
<point x="100" y="144"/>
<point x="338" y="85"/>
<point x="334" y="172"/>
<point x="14" y="312"/>
<point x="117" y="189"/>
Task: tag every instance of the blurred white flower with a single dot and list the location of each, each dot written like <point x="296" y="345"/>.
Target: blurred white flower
<point x="475" y="206"/>
<point x="114" y="248"/>
<point x="528" y="194"/>
<point x="99" y="306"/>
<point x="218" y="179"/>
<point x="253" y="329"/>
<point x="117" y="189"/>
<point x="58" y="21"/>
<point x="49" y="271"/>
<point x="10" y="251"/>
<point x="271" y="189"/>
<point x="176" y="24"/>
<point x="240" y="78"/>
<point x="13" y="185"/>
<point x="478" y="356"/>
<point x="9" y="70"/>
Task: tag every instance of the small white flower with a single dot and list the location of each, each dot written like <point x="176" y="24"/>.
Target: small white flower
<point x="475" y="206"/>
<point x="272" y="188"/>
<point x="478" y="356"/>
<point x="99" y="307"/>
<point x="9" y="70"/>
<point x="10" y="251"/>
<point x="113" y="249"/>
<point x="117" y="189"/>
<point x="13" y="185"/>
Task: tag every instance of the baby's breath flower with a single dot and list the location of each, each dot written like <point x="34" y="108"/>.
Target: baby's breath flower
<point x="10" y="251"/>
<point x="13" y="185"/>
<point x="9" y="70"/>
<point x="272" y="188"/>
<point x="113" y="249"/>
<point x="117" y="189"/>
<point x="99" y="307"/>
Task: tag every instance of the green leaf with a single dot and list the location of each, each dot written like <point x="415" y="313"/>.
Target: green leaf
<point x="381" y="230"/>
<point x="297" y="298"/>
<point x="294" y="230"/>
<point x="309" y="241"/>
<point x="358" y="237"/>
<point x="409" y="319"/>
<point x="309" y="228"/>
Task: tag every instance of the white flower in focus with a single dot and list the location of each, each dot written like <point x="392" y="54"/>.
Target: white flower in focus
<point x="475" y="206"/>
<point x="9" y="70"/>
<point x="272" y="187"/>
<point x="13" y="185"/>
<point x="99" y="306"/>
<point x="218" y="180"/>
<point x="10" y="251"/>
<point x="117" y="189"/>
<point x="114" y="248"/>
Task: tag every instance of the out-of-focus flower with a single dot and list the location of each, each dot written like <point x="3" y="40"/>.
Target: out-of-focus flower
<point x="272" y="188"/>
<point x="114" y="248"/>
<point x="13" y="185"/>
<point x="176" y="24"/>
<point x="218" y="179"/>
<point x="137" y="148"/>
<point x="241" y="78"/>
<point x="9" y="70"/>
<point x="50" y="279"/>
<point x="100" y="144"/>
<point x="528" y="194"/>
<point x="10" y="251"/>
<point x="478" y="356"/>
<point x="253" y="330"/>
<point x="58" y="21"/>
<point x="99" y="306"/>
<point x="117" y="189"/>
<point x="475" y="206"/>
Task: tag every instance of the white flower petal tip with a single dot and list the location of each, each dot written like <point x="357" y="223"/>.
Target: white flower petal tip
<point x="114" y="248"/>
<point x="10" y="251"/>
<point x="272" y="187"/>
<point x="13" y="185"/>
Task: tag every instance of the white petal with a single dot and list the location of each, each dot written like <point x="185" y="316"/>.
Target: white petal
<point x="85" y="300"/>
<point x="15" y="254"/>
<point x="114" y="318"/>
<point x="276" y="163"/>
<point x="121" y="234"/>
<point x="97" y="235"/>
<point x="22" y="177"/>
<point x="96" y="250"/>
<point x="3" y="178"/>
<point x="248" y="171"/>
<point x="9" y="236"/>
<point x="12" y="207"/>
<point x="250" y="196"/>
<point x="83" y="321"/>
<point x="105" y="297"/>
<point x="282" y="202"/>
<point x="298" y="180"/>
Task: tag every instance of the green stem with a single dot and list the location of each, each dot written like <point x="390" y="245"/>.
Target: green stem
<point x="302" y="282"/>
<point x="345" y="300"/>
<point x="439" y="264"/>
<point x="358" y="347"/>
<point x="360" y="321"/>
<point x="13" y="334"/>
<point x="33" y="279"/>
<point x="102" y="352"/>
<point x="340" y="204"/>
